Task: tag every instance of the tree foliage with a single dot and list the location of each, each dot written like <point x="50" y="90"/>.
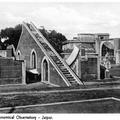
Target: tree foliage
<point x="12" y="35"/>
<point x="56" y="39"/>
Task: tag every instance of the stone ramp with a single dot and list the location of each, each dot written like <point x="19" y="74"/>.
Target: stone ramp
<point x="70" y="78"/>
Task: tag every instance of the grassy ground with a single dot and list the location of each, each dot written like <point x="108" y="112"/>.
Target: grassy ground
<point x="40" y="98"/>
<point x="22" y="88"/>
<point x="14" y="100"/>
<point x="105" y="106"/>
<point x="44" y="87"/>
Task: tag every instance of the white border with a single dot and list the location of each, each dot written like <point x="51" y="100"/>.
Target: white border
<point x="60" y="1"/>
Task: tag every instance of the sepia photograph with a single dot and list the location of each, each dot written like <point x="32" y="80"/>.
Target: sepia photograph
<point x="59" y="57"/>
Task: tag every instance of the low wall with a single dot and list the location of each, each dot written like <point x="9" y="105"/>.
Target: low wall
<point x="89" y="69"/>
<point x="11" y="71"/>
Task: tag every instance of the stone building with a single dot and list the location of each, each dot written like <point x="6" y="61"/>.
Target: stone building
<point x="93" y="51"/>
<point x="12" y="71"/>
<point x="83" y="56"/>
<point x="43" y="59"/>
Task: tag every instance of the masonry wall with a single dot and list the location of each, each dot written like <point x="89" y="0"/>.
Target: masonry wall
<point x="9" y="53"/>
<point x="10" y="71"/>
<point x="89" y="69"/>
<point x="55" y="78"/>
<point x="117" y="43"/>
<point x="117" y="50"/>
<point x="26" y="45"/>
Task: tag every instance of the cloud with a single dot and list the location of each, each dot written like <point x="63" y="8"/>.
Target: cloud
<point x="61" y="18"/>
<point x="106" y="18"/>
<point x="71" y="21"/>
<point x="9" y="20"/>
<point x="68" y="20"/>
<point x="12" y="18"/>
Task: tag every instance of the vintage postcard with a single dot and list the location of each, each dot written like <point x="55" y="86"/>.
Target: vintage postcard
<point x="59" y="57"/>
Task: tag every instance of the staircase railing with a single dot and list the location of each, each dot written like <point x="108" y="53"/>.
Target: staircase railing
<point x="65" y="64"/>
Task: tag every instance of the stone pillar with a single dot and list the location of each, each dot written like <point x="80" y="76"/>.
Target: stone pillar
<point x="117" y="57"/>
<point x="79" y="66"/>
<point x="98" y="67"/>
<point x="116" y="50"/>
<point x="24" y="72"/>
<point x="97" y="47"/>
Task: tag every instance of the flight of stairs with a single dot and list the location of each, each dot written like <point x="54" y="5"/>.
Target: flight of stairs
<point x="64" y="70"/>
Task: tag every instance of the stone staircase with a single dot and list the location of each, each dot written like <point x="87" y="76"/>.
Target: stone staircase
<point x="70" y="78"/>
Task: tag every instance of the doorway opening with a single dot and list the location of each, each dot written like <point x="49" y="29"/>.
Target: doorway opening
<point x="45" y="69"/>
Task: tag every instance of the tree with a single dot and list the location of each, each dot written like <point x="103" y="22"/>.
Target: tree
<point x="56" y="39"/>
<point x="11" y="36"/>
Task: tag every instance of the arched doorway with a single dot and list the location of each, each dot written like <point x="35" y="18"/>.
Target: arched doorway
<point x="107" y="51"/>
<point x="107" y="57"/>
<point x="107" y="47"/>
<point x="45" y="71"/>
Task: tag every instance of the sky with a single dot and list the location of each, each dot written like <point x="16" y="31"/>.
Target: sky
<point x="68" y="18"/>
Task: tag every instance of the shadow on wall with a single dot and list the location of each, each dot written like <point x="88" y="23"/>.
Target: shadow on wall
<point x="32" y="78"/>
